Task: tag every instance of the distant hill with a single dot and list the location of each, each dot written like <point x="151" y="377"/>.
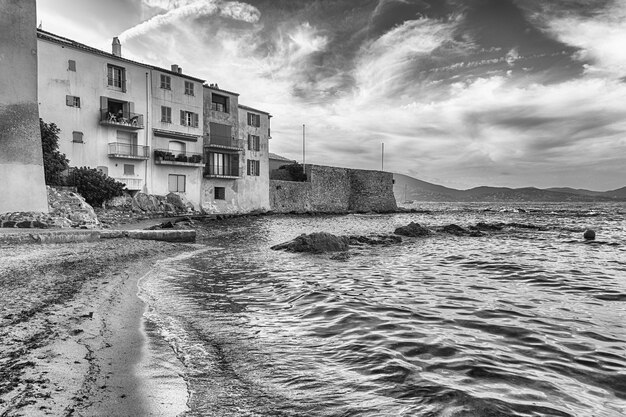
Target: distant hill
<point x="411" y="189"/>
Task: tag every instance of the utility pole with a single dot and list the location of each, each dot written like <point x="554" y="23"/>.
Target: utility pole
<point x="382" y="156"/>
<point x="303" y="147"/>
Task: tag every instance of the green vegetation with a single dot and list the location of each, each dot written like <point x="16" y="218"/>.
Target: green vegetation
<point x="296" y="172"/>
<point x="95" y="186"/>
<point x="54" y="162"/>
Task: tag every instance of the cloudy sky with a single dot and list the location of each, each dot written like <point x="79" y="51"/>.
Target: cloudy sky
<point x="461" y="92"/>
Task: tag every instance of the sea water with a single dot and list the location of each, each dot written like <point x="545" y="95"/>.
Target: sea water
<point x="526" y="321"/>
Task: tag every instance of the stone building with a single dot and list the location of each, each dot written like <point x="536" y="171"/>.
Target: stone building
<point x="156" y="130"/>
<point x="236" y="150"/>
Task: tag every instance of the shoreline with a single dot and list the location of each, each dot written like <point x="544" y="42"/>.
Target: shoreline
<point x="74" y="334"/>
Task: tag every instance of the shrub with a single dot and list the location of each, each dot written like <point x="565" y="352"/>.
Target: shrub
<point x="95" y="186"/>
<point x="54" y="162"/>
<point x="296" y="172"/>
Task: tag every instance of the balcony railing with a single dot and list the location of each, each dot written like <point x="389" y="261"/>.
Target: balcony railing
<point x="216" y="171"/>
<point x="121" y="119"/>
<point x="131" y="183"/>
<point x="225" y="142"/>
<point x="168" y="157"/>
<point x="128" y="151"/>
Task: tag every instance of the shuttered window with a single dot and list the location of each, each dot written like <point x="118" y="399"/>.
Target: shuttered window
<point x="129" y="169"/>
<point x="77" y="137"/>
<point x="254" y="143"/>
<point x="71" y="65"/>
<point x="166" y="82"/>
<point x="254" y="120"/>
<point x="176" y="183"/>
<point x="189" y="88"/>
<point x="254" y="167"/>
<point x="166" y="114"/>
<point x="188" y="118"/>
<point x="72" y="101"/>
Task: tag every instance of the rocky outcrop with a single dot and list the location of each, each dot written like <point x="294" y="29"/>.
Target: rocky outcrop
<point x="374" y="240"/>
<point x="66" y="209"/>
<point x="315" y="243"/>
<point x="412" y="230"/>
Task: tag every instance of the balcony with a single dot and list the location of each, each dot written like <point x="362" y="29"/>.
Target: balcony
<point x="225" y="142"/>
<point x="187" y="159"/>
<point x="225" y="172"/>
<point x="127" y="120"/>
<point x="128" y="151"/>
<point x="131" y="183"/>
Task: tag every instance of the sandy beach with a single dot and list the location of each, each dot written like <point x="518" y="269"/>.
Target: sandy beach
<point x="73" y="338"/>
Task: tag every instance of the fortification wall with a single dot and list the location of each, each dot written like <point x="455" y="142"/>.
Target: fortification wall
<point x="334" y="190"/>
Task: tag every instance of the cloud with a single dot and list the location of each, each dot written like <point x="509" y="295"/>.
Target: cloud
<point x="600" y="35"/>
<point x="178" y="10"/>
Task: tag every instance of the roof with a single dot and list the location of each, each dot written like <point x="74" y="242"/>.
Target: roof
<point x="42" y="34"/>
<point x="214" y="87"/>
<point x="279" y="158"/>
<point x="241" y="106"/>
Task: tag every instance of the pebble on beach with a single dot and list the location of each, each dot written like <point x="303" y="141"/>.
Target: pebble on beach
<point x="589" y="235"/>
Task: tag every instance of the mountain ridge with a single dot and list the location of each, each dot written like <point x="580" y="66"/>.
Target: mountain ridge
<point x="407" y="188"/>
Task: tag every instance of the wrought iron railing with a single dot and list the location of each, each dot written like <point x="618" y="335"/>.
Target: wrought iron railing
<point x="126" y="149"/>
<point x="122" y="118"/>
<point x="221" y="171"/>
<point x="165" y="156"/>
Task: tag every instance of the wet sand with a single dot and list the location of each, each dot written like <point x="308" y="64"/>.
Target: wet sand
<point x="72" y="337"/>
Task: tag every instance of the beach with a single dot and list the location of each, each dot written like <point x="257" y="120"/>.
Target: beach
<point x="73" y="339"/>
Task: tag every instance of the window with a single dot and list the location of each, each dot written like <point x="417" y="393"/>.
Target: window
<point x="71" y="65"/>
<point x="189" y="88"/>
<point x="188" y="118"/>
<point x="219" y="103"/>
<point x="129" y="169"/>
<point x="254" y="143"/>
<point x="254" y="120"/>
<point x="166" y="114"/>
<point x="72" y="101"/>
<point x="222" y="164"/>
<point x="77" y="137"/>
<point x="116" y="77"/>
<point x="254" y="167"/>
<point x="166" y="82"/>
<point x="176" y="183"/>
<point x="220" y="193"/>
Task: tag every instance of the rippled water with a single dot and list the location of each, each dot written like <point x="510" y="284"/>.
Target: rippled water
<point x="521" y="322"/>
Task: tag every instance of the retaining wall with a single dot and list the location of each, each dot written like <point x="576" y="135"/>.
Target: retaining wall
<point x="334" y="190"/>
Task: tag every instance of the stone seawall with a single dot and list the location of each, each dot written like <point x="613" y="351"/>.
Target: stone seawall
<point x="334" y="190"/>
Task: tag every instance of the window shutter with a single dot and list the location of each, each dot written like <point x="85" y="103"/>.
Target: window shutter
<point x="248" y="165"/>
<point x="249" y="142"/>
<point x="195" y="119"/>
<point x="71" y="65"/>
<point x="123" y="78"/>
<point x="69" y="100"/>
<point x="182" y="117"/>
<point x="104" y="103"/>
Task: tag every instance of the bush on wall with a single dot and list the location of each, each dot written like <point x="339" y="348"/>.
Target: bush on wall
<point x="296" y="172"/>
<point x="54" y="162"/>
<point x="95" y="186"/>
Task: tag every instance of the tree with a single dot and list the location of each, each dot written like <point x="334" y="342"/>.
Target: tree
<point x="54" y="162"/>
<point x="95" y="186"/>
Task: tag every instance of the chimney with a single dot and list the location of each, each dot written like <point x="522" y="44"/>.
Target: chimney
<point x="174" y="68"/>
<point x="180" y="70"/>
<point x="116" y="47"/>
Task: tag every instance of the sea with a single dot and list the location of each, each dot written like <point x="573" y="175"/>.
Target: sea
<point x="528" y="320"/>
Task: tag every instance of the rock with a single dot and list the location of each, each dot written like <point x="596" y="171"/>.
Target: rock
<point x="412" y="230"/>
<point x="341" y="256"/>
<point x="454" y="229"/>
<point x="145" y="203"/>
<point x="490" y="227"/>
<point x="375" y="240"/>
<point x="179" y="201"/>
<point x="589" y="235"/>
<point x="315" y="243"/>
<point x="123" y="202"/>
